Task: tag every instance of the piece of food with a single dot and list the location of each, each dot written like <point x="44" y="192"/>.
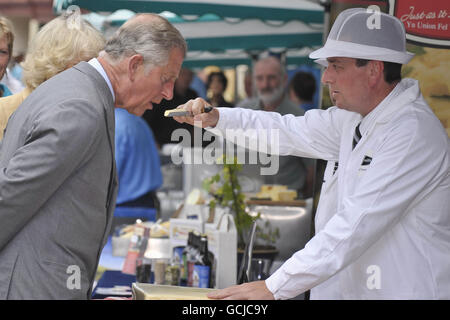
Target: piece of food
<point x="268" y="188"/>
<point x="273" y="192"/>
<point x="195" y="197"/>
<point x="176" y="113"/>
<point x="288" y="195"/>
<point x="160" y="230"/>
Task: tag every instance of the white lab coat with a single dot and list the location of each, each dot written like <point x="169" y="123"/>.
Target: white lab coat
<point x="326" y="207"/>
<point x="387" y="236"/>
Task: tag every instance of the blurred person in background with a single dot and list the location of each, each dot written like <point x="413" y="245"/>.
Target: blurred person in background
<point x="198" y="83"/>
<point x="248" y="88"/>
<point x="248" y="84"/>
<point x="217" y="84"/>
<point x="6" y="48"/>
<point x="13" y="75"/>
<point x="270" y="80"/>
<point x="302" y="88"/>
<point x="138" y="170"/>
<point x="55" y="48"/>
<point x="11" y="82"/>
<point x="16" y="68"/>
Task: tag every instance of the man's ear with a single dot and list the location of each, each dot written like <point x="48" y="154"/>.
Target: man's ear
<point x="375" y="70"/>
<point x="134" y="63"/>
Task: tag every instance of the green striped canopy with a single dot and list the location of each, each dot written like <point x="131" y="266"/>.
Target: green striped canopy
<point x="279" y="10"/>
<point x="226" y="33"/>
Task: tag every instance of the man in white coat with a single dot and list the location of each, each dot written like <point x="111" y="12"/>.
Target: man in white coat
<point x="385" y="231"/>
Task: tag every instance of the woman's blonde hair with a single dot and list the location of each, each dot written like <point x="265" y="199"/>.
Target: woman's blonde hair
<point x="59" y="45"/>
<point x="6" y="30"/>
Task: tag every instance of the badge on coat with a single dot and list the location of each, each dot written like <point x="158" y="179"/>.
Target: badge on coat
<point x="365" y="163"/>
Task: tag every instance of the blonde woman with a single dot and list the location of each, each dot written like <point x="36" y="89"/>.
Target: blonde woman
<point x="59" y="45"/>
<point x="6" y="47"/>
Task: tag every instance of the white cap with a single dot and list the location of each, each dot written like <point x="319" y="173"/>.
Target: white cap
<point x="365" y="34"/>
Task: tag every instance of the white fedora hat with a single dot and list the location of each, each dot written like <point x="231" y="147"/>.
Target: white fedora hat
<point x="365" y="34"/>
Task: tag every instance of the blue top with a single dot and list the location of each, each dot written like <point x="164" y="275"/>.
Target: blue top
<point x="198" y="86"/>
<point x="6" y="91"/>
<point x="17" y="72"/>
<point x="137" y="159"/>
<point x="307" y="106"/>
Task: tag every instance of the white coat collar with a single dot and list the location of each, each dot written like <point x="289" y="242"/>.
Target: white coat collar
<point x="404" y="92"/>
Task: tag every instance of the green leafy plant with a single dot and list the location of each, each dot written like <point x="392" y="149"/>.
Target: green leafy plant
<point x="227" y="192"/>
<point x="267" y="235"/>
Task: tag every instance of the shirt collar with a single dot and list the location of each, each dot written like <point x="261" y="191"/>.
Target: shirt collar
<point x="97" y="66"/>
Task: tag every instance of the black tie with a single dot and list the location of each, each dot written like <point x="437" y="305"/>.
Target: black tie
<point x="336" y="166"/>
<point x="356" y="136"/>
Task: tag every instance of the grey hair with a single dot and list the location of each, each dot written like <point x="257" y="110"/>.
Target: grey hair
<point x="152" y="37"/>
<point x="282" y="69"/>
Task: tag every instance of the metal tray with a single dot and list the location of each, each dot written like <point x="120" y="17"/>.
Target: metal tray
<point x="147" y="291"/>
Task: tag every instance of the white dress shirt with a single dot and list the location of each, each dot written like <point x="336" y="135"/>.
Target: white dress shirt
<point x="97" y="66"/>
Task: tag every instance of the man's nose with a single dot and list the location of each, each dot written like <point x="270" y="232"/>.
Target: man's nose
<point x="326" y="78"/>
<point x="264" y="84"/>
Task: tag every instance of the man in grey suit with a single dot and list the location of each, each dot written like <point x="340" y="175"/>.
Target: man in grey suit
<point x="58" y="179"/>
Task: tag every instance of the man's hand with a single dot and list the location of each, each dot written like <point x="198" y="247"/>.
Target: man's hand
<point x="256" y="290"/>
<point x="199" y="118"/>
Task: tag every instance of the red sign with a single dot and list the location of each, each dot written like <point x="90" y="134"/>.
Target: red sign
<point x="426" y="22"/>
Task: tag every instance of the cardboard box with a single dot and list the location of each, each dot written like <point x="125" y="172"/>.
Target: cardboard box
<point x="180" y="228"/>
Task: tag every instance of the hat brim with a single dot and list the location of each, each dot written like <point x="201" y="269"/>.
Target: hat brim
<point x="333" y="48"/>
<point x="322" y="62"/>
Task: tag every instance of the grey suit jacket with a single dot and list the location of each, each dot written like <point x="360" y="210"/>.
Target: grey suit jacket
<point x="57" y="187"/>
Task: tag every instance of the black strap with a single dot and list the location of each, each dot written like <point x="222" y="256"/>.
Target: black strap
<point x="356" y="136"/>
